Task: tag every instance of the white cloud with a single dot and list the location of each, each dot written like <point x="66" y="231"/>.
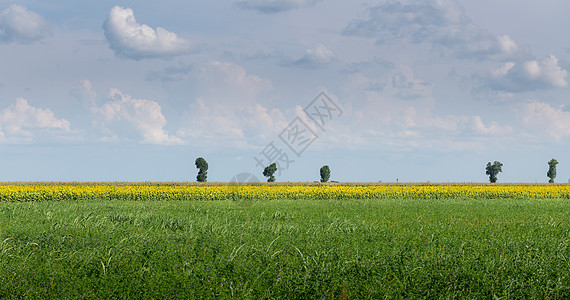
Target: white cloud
<point x="551" y="72"/>
<point x="318" y="56"/>
<point x="142" y="118"/>
<point x="507" y="45"/>
<point x="275" y="6"/>
<point x="17" y="24"/>
<point x="137" y="41"/>
<point x="85" y="93"/>
<point x="546" y="120"/>
<point x="20" y="121"/>
<point x="428" y="124"/>
<point x="476" y="124"/>
<point x="236" y="76"/>
<point x="439" y="22"/>
<point x="525" y="76"/>
<point x="503" y="70"/>
<point x="235" y="126"/>
<point x="212" y="122"/>
<point x="401" y="112"/>
<point x="261" y="117"/>
<point x="409" y="128"/>
<point x="227" y="109"/>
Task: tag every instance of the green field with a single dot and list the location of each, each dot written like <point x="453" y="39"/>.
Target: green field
<point x="286" y="249"/>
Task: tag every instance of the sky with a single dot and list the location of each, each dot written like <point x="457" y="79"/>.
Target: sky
<point x="408" y="91"/>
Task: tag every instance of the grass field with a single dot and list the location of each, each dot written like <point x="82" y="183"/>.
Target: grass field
<point x="281" y="248"/>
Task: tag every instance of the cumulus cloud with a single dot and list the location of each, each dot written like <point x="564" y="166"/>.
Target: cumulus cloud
<point x="129" y="116"/>
<point x="235" y="126"/>
<point x="316" y="57"/>
<point x="427" y="123"/>
<point x="527" y="75"/>
<point x="227" y="108"/>
<point x="275" y="6"/>
<point x="439" y="22"/>
<point x="20" y="25"/>
<point x="476" y="124"/>
<point x="411" y="127"/>
<point x="84" y="92"/>
<point x="137" y="41"/>
<point x="235" y="75"/>
<point x="401" y="109"/>
<point x="546" y="119"/>
<point x="20" y="121"/>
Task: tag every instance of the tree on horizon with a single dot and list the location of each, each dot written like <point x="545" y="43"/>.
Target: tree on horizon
<point x="269" y="171"/>
<point x="493" y="170"/>
<point x="325" y="173"/>
<point x="202" y="165"/>
<point x="552" y="170"/>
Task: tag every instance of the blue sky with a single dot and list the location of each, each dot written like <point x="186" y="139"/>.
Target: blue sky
<point x="428" y="90"/>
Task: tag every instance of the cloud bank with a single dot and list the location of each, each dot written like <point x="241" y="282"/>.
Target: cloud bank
<point x="134" y="117"/>
<point x="546" y="119"/>
<point x="20" y="121"/>
<point x="526" y="76"/>
<point x="441" y="23"/>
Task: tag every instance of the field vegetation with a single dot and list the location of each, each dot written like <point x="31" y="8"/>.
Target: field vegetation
<point x="170" y="241"/>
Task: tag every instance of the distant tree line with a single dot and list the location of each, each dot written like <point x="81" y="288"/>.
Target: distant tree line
<point x="492" y="169"/>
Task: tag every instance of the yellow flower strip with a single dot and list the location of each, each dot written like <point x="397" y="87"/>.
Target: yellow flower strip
<point x="23" y="193"/>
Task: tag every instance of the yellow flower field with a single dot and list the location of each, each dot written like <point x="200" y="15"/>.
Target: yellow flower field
<point x="35" y="192"/>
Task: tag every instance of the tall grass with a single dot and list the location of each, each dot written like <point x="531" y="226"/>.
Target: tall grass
<point x="284" y="249"/>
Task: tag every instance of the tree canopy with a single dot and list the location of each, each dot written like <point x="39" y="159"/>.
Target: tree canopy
<point x="202" y="165"/>
<point x="493" y="170"/>
<point x="325" y="173"/>
<point x="552" y="170"/>
<point x="269" y="171"/>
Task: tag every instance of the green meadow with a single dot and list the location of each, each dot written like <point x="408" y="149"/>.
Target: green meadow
<point x="286" y="249"/>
